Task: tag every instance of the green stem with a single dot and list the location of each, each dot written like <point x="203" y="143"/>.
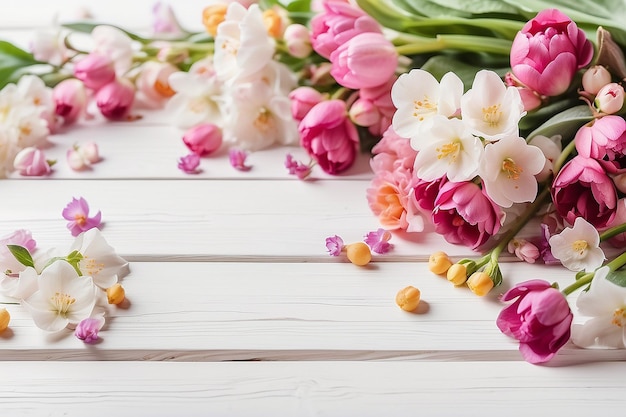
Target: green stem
<point x="616" y="263"/>
<point x="408" y="44"/>
<point x="613" y="231"/>
<point x="564" y="155"/>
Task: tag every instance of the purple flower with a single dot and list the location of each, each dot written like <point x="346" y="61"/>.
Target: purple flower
<point x="297" y="168"/>
<point x="87" y="330"/>
<point x="334" y="245"/>
<point x="237" y="159"/>
<point x="77" y="213"/>
<point x="540" y="319"/>
<point x="189" y="164"/>
<point x="378" y="241"/>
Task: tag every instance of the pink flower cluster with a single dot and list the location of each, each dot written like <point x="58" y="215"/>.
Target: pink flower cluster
<point x="364" y="62"/>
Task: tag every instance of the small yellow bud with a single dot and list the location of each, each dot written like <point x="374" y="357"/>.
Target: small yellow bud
<point x="212" y="16"/>
<point x="457" y="274"/>
<point x="359" y="253"/>
<point x="480" y="283"/>
<point x="439" y="263"/>
<point x="273" y="23"/>
<point x="5" y="318"/>
<point x="116" y="294"/>
<point x="408" y="298"/>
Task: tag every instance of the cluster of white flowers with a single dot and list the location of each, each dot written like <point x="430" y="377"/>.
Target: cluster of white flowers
<point x="26" y="111"/>
<point x="62" y="288"/>
<point x="464" y="135"/>
<point x="241" y="88"/>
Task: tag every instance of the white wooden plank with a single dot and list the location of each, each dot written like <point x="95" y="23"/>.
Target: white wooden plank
<point x="309" y="389"/>
<point x="212" y="220"/>
<point x="293" y="311"/>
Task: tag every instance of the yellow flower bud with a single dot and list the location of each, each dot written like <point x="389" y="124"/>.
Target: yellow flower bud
<point x="273" y="23"/>
<point x="457" y="274"/>
<point x="212" y="16"/>
<point x="116" y="294"/>
<point x="359" y="253"/>
<point x="439" y="263"/>
<point x="5" y="318"/>
<point x="480" y="283"/>
<point x="408" y="298"/>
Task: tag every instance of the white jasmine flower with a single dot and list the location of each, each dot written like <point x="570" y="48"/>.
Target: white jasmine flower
<point x="450" y="149"/>
<point x="48" y="45"/>
<point x="242" y="44"/>
<point x="63" y="298"/>
<point x="578" y="247"/>
<point x="418" y="97"/>
<point x="99" y="259"/>
<point x="33" y="91"/>
<point x="490" y="108"/>
<point x="508" y="170"/>
<point x="551" y="148"/>
<point x="115" y="44"/>
<point x="605" y="302"/>
<point x="22" y="286"/>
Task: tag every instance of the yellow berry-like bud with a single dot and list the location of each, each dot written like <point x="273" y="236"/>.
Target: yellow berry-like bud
<point x="457" y="274"/>
<point x="480" y="283"/>
<point x="359" y="253"/>
<point x="439" y="263"/>
<point x="408" y="298"/>
<point x="212" y="16"/>
<point x="273" y="23"/>
<point x="116" y="294"/>
<point x="5" y="318"/>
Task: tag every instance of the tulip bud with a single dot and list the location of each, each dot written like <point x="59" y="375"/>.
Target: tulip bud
<point x="610" y="98"/>
<point x="70" y="99"/>
<point x="90" y="152"/>
<point x="408" y="298"/>
<point x="298" y="40"/>
<point x="212" y="16"/>
<point x="480" y="283"/>
<point x="31" y="162"/>
<point x="75" y="160"/>
<point x="457" y="274"/>
<point x="364" y="113"/>
<point x="203" y="139"/>
<point x="116" y="98"/>
<point x="595" y="78"/>
<point x="359" y="253"/>
<point x="116" y="294"/>
<point x="5" y="318"/>
<point x="439" y="263"/>
<point x="95" y="71"/>
<point x="303" y="99"/>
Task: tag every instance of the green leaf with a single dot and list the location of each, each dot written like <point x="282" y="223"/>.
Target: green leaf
<point x="85" y="27"/>
<point x="13" y="62"/>
<point x="565" y="123"/>
<point x="617" y="277"/>
<point x="22" y="255"/>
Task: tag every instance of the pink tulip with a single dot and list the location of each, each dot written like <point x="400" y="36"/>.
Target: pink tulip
<point x="582" y="188"/>
<point x="380" y="99"/>
<point x="366" y="60"/>
<point x="70" y="99"/>
<point x="95" y="70"/>
<point x="392" y="151"/>
<point x="329" y="137"/>
<point x="116" y="99"/>
<point x="302" y="100"/>
<point x="336" y="24"/>
<point x="463" y="214"/>
<point x="31" y="162"/>
<point x="604" y="137"/>
<point x="540" y="318"/>
<point x="595" y="78"/>
<point x="548" y="51"/>
<point x="203" y="139"/>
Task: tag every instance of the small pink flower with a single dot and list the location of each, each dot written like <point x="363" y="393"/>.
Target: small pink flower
<point x="334" y="245"/>
<point x="603" y="137"/>
<point x="237" y="158"/>
<point x="595" y="78"/>
<point x="539" y="318"/>
<point x="524" y="250"/>
<point x="81" y="157"/>
<point x="87" y="330"/>
<point x="378" y="241"/>
<point x="95" y="71"/>
<point x="391" y="152"/>
<point x="31" y="162"/>
<point x="164" y="21"/>
<point x="367" y="60"/>
<point x="610" y="99"/>
<point x="297" y="168"/>
<point x="189" y="164"/>
<point x="77" y="213"/>
<point x="329" y="137"/>
<point x="548" y="51"/>
<point x="203" y="139"/>
<point x="380" y="99"/>
<point x="298" y="40"/>
<point x="70" y="99"/>
<point x="116" y="98"/>
<point x="303" y="99"/>
<point x="582" y="188"/>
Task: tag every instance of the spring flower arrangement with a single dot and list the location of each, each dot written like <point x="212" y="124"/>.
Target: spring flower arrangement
<point x="500" y="128"/>
<point x="64" y="288"/>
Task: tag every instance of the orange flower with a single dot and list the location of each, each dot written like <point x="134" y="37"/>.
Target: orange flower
<point x="212" y="16"/>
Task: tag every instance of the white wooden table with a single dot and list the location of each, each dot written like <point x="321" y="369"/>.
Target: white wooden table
<point x="236" y="307"/>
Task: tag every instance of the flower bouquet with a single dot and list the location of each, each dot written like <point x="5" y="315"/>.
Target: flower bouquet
<point x="497" y="125"/>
